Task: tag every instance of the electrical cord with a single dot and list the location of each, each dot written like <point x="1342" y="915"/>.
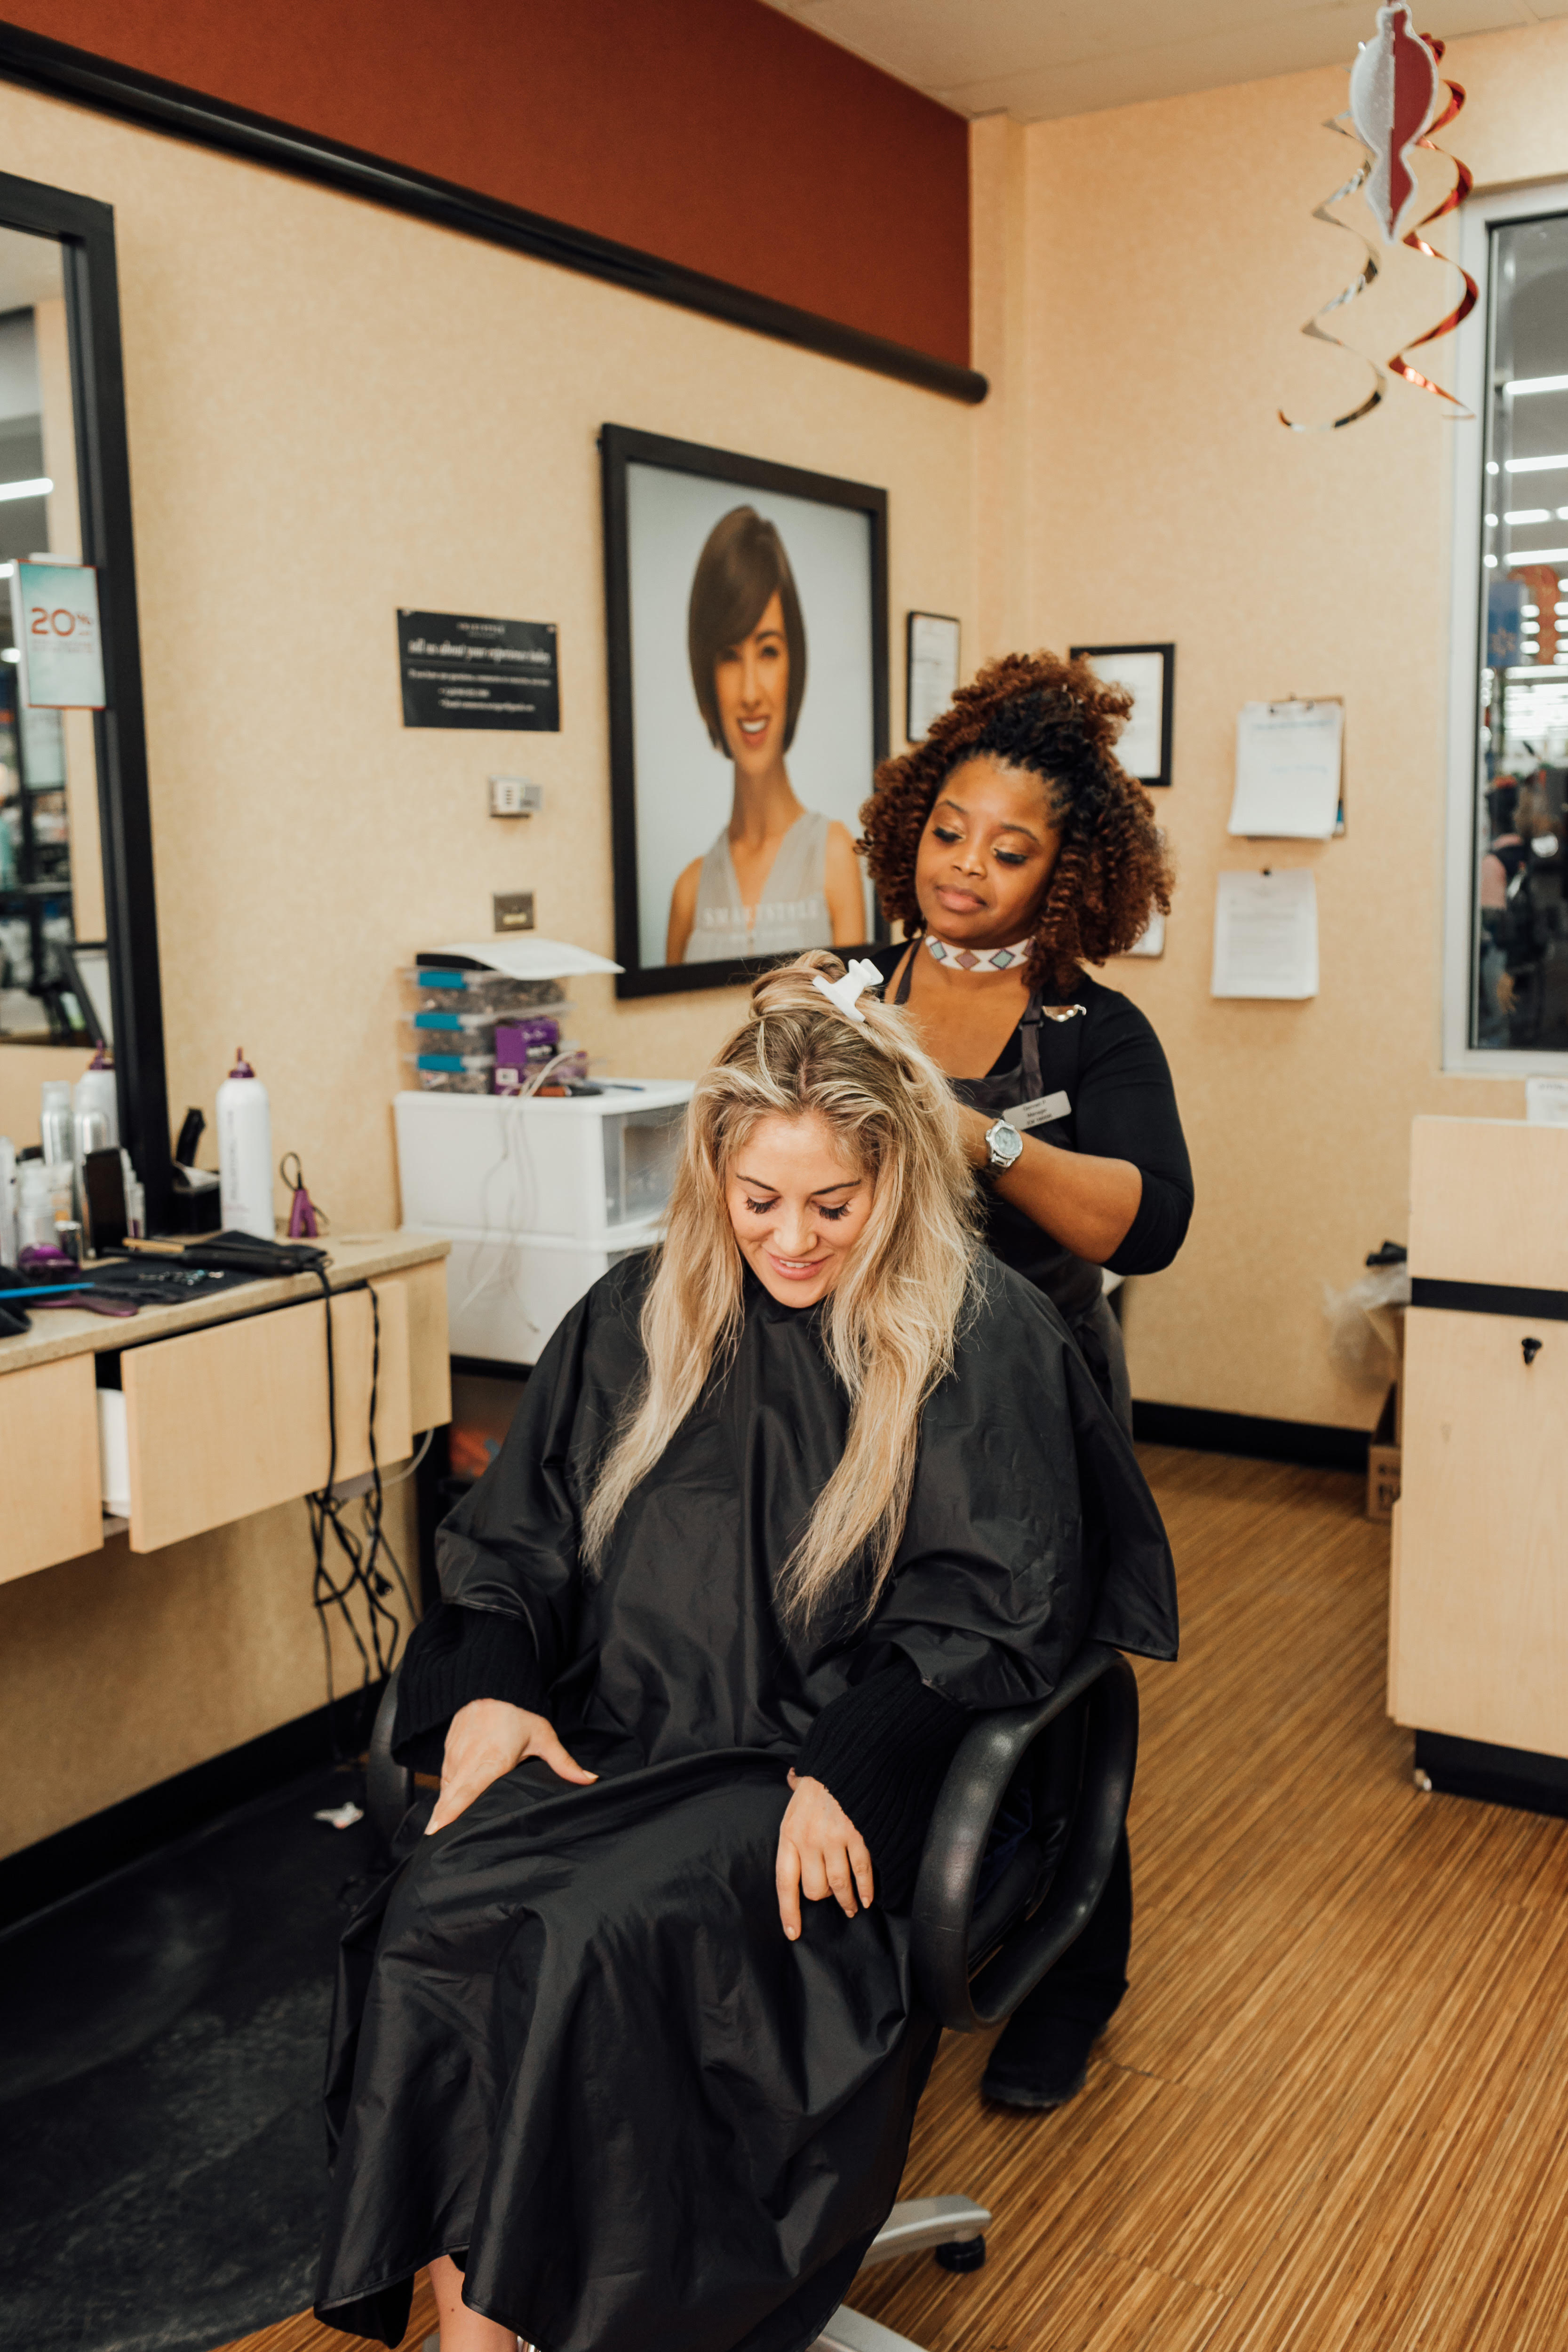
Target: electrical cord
<point x="397" y="1570"/>
<point x="387" y="1484"/>
<point x="360" y="1576"/>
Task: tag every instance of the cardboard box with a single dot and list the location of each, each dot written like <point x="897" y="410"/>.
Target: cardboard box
<point x="1382" y="1457"/>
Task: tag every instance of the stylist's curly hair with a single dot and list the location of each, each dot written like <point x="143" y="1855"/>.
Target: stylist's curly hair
<point x="1058" y="720"/>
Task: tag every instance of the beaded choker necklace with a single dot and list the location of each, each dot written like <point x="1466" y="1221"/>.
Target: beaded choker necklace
<point x="976" y="959"/>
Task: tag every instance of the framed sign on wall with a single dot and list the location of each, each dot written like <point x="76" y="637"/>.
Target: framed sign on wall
<point x="1149" y="674"/>
<point x="747" y="616"/>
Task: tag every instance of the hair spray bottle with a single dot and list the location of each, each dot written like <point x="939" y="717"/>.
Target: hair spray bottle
<point x="244" y="1152"/>
<point x="9" y="1243"/>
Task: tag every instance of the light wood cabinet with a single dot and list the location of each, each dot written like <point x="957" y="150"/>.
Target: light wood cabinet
<point x="225" y="1401"/>
<point x="429" y="1361"/>
<point x="49" y="1465"/>
<point x="231" y="1420"/>
<point x="1478" y="1620"/>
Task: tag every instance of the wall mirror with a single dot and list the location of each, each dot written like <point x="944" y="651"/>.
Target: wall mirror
<point x="79" y="941"/>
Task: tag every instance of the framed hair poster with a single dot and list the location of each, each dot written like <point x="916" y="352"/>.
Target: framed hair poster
<point x="747" y="617"/>
<point x="1149" y="674"/>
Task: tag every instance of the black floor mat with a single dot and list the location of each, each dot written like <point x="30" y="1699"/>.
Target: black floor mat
<point x="162" y="2164"/>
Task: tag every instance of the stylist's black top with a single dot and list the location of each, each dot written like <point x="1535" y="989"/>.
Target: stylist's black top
<point x="1109" y="1063"/>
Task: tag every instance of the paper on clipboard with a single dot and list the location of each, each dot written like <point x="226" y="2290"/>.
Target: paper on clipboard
<point x="1266" y="935"/>
<point x="1289" y="763"/>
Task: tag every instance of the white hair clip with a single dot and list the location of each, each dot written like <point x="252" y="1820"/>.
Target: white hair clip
<point x="860" y="977"/>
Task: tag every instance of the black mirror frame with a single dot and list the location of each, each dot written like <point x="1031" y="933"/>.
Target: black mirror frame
<point x="84" y="230"/>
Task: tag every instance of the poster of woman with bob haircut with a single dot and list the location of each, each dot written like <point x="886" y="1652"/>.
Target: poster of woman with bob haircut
<point x="748" y="681"/>
<point x="780" y="877"/>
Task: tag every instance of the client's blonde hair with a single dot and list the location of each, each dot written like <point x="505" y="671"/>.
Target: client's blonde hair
<point x="890" y="1322"/>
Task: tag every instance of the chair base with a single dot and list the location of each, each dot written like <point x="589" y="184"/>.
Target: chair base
<point x="913" y="2227"/>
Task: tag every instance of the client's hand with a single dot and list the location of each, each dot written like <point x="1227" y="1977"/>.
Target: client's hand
<point x="821" y="1853"/>
<point x="486" y="1738"/>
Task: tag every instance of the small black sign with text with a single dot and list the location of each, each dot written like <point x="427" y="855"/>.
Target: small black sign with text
<point x="461" y="670"/>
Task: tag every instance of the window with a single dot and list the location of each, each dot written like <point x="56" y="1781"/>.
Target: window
<point x="1508" y="948"/>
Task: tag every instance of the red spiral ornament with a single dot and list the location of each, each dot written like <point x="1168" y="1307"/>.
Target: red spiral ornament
<point x="1396" y="95"/>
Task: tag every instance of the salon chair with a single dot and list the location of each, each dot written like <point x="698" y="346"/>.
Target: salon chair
<point x="1018" y="1855"/>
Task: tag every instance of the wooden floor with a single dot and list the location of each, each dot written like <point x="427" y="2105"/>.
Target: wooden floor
<point x="1333" y="2111"/>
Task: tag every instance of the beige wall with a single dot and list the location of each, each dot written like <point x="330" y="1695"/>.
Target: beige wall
<point x="335" y="411"/>
<point x="1169" y="255"/>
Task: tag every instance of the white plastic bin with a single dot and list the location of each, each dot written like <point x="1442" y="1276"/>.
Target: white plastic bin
<point x="573" y="1168"/>
<point x="506" y="1292"/>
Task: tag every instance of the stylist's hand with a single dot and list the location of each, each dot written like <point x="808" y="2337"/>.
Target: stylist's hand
<point x="486" y="1738"/>
<point x="821" y="1853"/>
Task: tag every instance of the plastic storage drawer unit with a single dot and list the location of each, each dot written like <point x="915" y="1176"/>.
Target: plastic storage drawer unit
<point x="506" y="1292"/>
<point x="576" y="1168"/>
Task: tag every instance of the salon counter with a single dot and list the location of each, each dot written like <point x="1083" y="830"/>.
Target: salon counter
<point x="226" y="1400"/>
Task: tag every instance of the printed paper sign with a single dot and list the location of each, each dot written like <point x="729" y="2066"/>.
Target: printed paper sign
<point x="53" y="612"/>
<point x="460" y="669"/>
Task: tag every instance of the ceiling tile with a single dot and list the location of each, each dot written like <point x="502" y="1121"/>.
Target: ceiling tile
<point x="1036" y="58"/>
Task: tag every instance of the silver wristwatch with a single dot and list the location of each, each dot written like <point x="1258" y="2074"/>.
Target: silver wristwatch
<point x="1003" y="1143"/>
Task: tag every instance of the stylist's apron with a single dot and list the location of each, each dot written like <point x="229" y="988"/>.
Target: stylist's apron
<point x="1044" y="1085"/>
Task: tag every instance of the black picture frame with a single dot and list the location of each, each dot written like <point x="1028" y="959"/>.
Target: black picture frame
<point x="84" y="230"/>
<point x="621" y="445"/>
<point x="1167" y="697"/>
<point x="912" y="622"/>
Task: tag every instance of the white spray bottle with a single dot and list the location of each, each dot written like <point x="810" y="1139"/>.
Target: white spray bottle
<point x="244" y="1152"/>
<point x="96" y="1090"/>
<point x="9" y="1243"/>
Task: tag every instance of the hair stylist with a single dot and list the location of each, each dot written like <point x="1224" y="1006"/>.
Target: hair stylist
<point x="1015" y="850"/>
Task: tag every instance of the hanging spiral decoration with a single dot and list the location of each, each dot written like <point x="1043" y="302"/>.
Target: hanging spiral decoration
<point x="1464" y="180"/>
<point x="1367" y="276"/>
<point x="1396" y="97"/>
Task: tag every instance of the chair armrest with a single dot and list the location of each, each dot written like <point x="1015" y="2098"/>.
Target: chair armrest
<point x="388" y="1785"/>
<point x="1100" y="1683"/>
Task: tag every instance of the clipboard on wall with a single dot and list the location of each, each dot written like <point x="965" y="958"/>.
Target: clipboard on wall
<point x="1289" y="770"/>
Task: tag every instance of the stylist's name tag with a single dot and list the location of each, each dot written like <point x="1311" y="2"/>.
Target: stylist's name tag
<point x="1039" y="1113"/>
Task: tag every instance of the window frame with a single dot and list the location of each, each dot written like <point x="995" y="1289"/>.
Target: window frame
<point x="1539" y="200"/>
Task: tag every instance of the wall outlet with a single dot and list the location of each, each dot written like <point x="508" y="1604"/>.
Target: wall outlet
<point x="513" y="910"/>
<point x="515" y="796"/>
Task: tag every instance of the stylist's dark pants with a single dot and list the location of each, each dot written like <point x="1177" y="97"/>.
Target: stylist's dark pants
<point x="1091" y="1975"/>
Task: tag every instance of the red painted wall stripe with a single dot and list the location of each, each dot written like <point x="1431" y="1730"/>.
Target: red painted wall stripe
<point x="716" y="133"/>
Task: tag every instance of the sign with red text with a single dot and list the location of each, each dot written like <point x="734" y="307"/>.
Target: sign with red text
<point x="54" y="613"/>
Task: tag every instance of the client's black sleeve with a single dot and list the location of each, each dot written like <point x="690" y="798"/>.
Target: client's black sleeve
<point x="882" y="1749"/>
<point x="1126" y="1110"/>
<point x="457" y="1655"/>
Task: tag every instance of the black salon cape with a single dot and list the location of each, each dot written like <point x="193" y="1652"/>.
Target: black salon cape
<point x="571" y="2036"/>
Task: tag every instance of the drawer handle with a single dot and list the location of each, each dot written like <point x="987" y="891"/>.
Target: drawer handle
<point x="1531" y="1348"/>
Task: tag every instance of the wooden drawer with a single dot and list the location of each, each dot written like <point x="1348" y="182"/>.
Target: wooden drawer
<point x="1479" y="1626"/>
<point x="233" y="1419"/>
<point x="1486" y="1203"/>
<point x="429" y="1359"/>
<point x="49" y="1486"/>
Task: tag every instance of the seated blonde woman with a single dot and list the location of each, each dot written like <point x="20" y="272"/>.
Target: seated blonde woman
<point x="627" y="2051"/>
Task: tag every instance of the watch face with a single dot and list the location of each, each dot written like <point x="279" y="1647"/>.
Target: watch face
<point x="1006" y="1144"/>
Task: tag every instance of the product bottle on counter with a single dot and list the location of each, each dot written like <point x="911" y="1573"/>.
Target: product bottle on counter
<point x="55" y="1122"/>
<point x="244" y="1152"/>
<point x="8" y="1242"/>
<point x="96" y="1090"/>
<point x="35" y="1205"/>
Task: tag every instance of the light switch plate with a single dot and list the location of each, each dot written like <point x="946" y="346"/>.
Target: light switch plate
<point x="513" y="910"/>
<point x="515" y="796"/>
